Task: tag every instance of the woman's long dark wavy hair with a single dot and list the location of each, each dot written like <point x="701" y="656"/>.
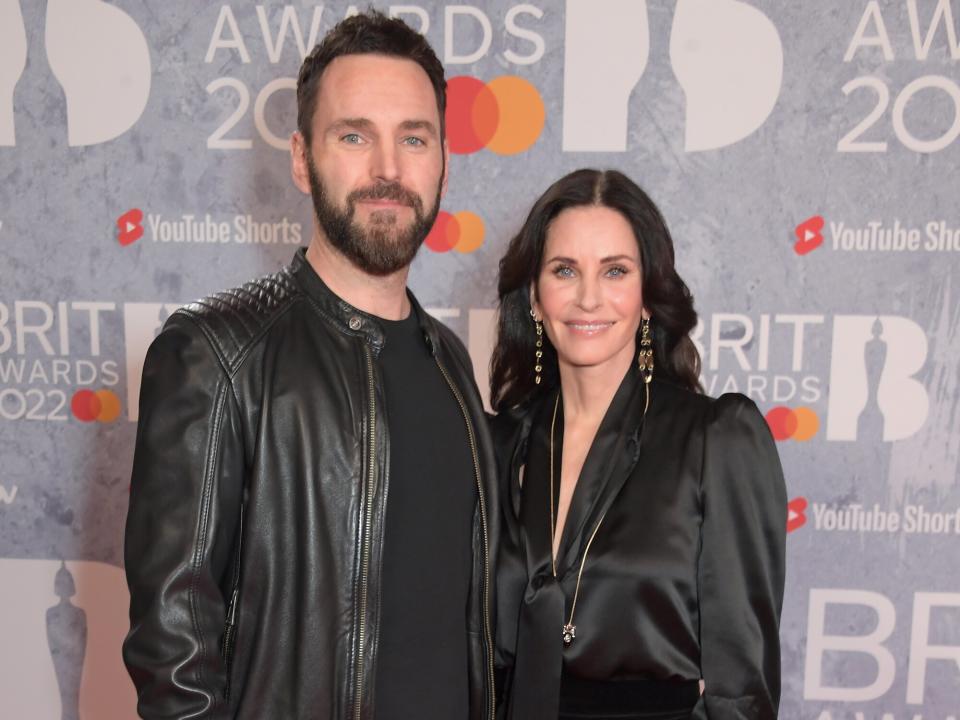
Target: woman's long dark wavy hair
<point x="665" y="295"/>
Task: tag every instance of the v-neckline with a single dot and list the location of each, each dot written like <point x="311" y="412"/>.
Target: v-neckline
<point x="598" y="463"/>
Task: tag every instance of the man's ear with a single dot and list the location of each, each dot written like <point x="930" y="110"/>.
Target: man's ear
<point x="299" y="169"/>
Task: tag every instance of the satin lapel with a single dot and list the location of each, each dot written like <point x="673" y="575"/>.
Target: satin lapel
<point x="608" y="464"/>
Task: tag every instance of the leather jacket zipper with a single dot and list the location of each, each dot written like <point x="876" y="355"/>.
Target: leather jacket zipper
<point x="367" y="520"/>
<point x="229" y="631"/>
<point x="491" y="703"/>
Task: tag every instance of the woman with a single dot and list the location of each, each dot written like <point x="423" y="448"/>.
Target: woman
<point x="644" y="548"/>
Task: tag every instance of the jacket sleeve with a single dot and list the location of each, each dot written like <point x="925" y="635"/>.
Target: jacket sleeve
<point x="741" y="566"/>
<point x="185" y="498"/>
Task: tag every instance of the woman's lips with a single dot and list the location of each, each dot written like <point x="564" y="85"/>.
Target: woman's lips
<point x="588" y="327"/>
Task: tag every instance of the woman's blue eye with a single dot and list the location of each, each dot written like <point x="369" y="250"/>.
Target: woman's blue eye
<point x="617" y="271"/>
<point x="563" y="271"/>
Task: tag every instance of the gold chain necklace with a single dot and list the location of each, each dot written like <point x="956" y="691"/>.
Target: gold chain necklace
<point x="569" y="629"/>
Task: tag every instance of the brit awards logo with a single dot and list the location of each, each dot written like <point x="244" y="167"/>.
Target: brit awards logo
<point x="874" y="389"/>
<point x="726" y="55"/>
<point x="97" y="54"/>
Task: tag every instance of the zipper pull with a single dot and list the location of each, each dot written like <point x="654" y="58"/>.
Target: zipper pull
<point x="232" y="613"/>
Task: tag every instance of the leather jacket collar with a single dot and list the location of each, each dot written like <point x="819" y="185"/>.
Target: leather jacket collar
<point x="346" y="317"/>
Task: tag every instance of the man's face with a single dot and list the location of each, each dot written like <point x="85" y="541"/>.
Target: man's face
<point x="376" y="165"/>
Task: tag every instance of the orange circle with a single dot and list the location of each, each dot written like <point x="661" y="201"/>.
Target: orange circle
<point x="109" y="405"/>
<point x="522" y="115"/>
<point x="471" y="231"/>
<point x="444" y="234"/>
<point x="807" y="424"/>
<point x="782" y="421"/>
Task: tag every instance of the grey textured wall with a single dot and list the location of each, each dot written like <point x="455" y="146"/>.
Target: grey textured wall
<point x="759" y="127"/>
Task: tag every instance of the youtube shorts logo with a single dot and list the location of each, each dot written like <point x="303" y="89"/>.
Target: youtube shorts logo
<point x="130" y="226"/>
<point x="809" y="235"/>
<point x="796" y="514"/>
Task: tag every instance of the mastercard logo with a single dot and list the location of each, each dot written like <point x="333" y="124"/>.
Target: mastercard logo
<point x="799" y="423"/>
<point x="462" y="231"/>
<point x="100" y="405"/>
<point x="505" y="115"/>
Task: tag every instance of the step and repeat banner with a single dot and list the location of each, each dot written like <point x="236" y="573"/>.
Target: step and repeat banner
<point x="804" y="154"/>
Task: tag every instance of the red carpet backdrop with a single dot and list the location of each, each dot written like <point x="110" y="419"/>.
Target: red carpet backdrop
<point x="805" y="155"/>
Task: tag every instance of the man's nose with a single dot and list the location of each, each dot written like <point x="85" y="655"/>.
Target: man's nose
<point x="386" y="165"/>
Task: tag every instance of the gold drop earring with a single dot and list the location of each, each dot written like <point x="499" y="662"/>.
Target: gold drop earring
<point x="537" y="365"/>
<point x="645" y="356"/>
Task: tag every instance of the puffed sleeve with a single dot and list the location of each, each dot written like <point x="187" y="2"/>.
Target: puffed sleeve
<point x="741" y="565"/>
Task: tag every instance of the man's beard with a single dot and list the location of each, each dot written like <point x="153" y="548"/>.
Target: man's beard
<point x="382" y="248"/>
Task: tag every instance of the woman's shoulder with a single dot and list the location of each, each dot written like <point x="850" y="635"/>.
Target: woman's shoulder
<point x="729" y="407"/>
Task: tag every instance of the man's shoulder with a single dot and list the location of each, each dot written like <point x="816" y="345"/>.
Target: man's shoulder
<point x="232" y="320"/>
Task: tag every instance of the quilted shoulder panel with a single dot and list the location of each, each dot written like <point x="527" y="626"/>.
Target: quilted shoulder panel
<point x="233" y="319"/>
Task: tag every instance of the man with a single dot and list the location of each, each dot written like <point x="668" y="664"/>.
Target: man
<point x="312" y="515"/>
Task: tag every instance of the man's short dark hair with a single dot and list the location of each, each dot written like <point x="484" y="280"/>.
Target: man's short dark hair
<point x="373" y="33"/>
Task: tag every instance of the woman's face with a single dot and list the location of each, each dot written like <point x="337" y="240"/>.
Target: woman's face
<point x="589" y="292"/>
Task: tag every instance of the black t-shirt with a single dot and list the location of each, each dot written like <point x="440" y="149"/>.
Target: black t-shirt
<point x="422" y="657"/>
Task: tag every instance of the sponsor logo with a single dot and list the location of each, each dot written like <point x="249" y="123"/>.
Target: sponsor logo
<point x="129" y="226"/>
<point x="787" y="423"/>
<point x="98" y="55"/>
<point x="462" y="231"/>
<point x="100" y="405"/>
<point x="874" y="393"/>
<point x="808" y="235"/>
<point x="796" y="514"/>
<point x="189" y="229"/>
<point x="726" y="55"/>
<point x="879" y="237"/>
<point x="505" y="115"/>
<point x="911" y="520"/>
<point x="50" y="354"/>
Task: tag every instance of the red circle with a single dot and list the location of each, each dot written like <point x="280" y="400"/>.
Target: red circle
<point x="782" y="422"/>
<point x="444" y="234"/>
<point x="85" y="405"/>
<point x="472" y="115"/>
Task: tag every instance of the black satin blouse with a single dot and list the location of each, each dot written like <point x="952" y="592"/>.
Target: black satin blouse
<point x="684" y="576"/>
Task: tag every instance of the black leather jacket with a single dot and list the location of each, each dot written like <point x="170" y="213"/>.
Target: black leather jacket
<point x="257" y="508"/>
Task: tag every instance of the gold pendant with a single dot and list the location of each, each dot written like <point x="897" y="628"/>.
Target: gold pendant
<point x="569" y="633"/>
